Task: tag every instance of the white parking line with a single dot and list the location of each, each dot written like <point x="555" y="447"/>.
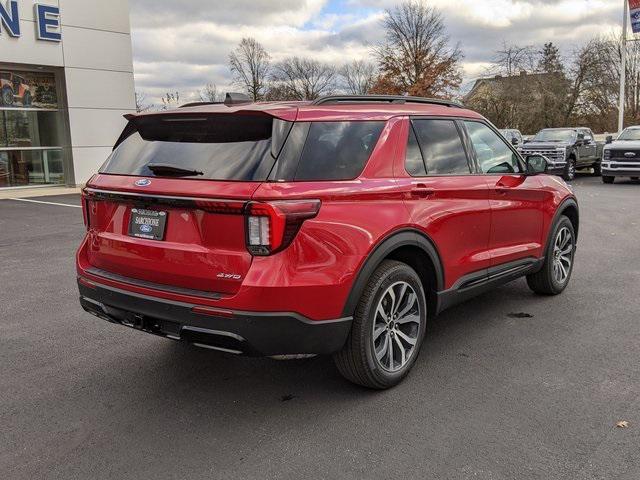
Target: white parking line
<point x="45" y="203"/>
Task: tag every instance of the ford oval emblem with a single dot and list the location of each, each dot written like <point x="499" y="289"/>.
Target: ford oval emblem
<point x="145" y="182"/>
<point x="146" y="228"/>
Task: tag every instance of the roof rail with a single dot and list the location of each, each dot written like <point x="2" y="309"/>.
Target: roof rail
<point x="397" y="99"/>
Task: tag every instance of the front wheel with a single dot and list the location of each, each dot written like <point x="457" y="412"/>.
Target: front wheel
<point x="388" y="328"/>
<point x="608" y="179"/>
<point x="570" y="170"/>
<point x="556" y="271"/>
<point x="597" y="170"/>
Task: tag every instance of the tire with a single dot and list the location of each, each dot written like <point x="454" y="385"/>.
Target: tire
<point x="608" y="179"/>
<point x="549" y="281"/>
<point x="635" y="179"/>
<point x="7" y="97"/>
<point x="366" y="358"/>
<point x="569" y="170"/>
<point x="597" y="170"/>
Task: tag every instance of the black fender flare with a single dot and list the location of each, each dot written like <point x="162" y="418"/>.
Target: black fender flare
<point x="567" y="202"/>
<point x="403" y="238"/>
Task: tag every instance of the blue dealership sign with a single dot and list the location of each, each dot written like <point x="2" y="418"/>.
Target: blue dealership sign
<point x="48" y="25"/>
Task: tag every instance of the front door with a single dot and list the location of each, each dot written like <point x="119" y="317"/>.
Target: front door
<point x="516" y="198"/>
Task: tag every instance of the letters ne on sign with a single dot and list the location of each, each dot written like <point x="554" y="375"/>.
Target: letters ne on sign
<point x="47" y="20"/>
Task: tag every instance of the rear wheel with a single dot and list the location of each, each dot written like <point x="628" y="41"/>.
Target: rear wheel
<point x="388" y="328"/>
<point x="556" y="272"/>
<point x="608" y="179"/>
<point x="570" y="170"/>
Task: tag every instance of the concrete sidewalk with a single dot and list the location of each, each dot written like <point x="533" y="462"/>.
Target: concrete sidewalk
<point x="38" y="192"/>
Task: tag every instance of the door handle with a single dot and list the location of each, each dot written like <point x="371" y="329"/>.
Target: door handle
<point x="421" y="191"/>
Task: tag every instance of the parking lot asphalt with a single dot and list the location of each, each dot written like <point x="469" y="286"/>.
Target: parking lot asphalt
<point x="508" y="386"/>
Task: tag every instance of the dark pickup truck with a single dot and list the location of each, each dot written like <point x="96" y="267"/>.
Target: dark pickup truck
<point x="566" y="150"/>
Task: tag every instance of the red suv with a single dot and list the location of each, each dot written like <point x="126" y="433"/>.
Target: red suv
<point x="334" y="227"/>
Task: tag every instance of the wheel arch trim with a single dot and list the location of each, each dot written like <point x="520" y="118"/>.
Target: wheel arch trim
<point x="567" y="203"/>
<point x="393" y="242"/>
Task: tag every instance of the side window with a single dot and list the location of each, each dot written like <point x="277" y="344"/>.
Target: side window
<point x="414" y="164"/>
<point x="494" y="155"/>
<point x="442" y="147"/>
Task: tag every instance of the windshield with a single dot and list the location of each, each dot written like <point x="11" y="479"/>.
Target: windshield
<point x="630" y="134"/>
<point x="562" y="135"/>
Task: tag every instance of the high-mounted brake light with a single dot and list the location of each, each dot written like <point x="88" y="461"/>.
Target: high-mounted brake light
<point x="272" y="226"/>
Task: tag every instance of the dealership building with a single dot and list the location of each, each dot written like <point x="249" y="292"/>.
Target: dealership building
<point x="66" y="80"/>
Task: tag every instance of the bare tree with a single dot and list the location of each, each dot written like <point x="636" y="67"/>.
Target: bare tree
<point x="250" y="66"/>
<point x="141" y="103"/>
<point x="170" y="100"/>
<point x="358" y="77"/>
<point x="303" y="79"/>
<point x="416" y="56"/>
<point x="513" y="59"/>
<point x="210" y="93"/>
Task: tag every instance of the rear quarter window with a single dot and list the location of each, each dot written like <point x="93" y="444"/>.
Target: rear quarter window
<point x="318" y="151"/>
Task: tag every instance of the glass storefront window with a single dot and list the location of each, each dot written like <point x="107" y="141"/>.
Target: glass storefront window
<point x="31" y="167"/>
<point x="31" y="130"/>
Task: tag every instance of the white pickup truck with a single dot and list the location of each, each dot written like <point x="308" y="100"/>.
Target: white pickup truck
<point x="621" y="157"/>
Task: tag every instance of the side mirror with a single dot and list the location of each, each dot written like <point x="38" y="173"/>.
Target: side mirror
<point x="609" y="139"/>
<point x="526" y="140"/>
<point x="514" y="141"/>
<point x="536" y="164"/>
<point x="581" y="136"/>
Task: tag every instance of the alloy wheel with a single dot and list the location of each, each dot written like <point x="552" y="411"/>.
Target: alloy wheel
<point x="396" y="326"/>
<point x="563" y="255"/>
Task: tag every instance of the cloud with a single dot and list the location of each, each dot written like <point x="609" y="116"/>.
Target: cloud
<point x="185" y="45"/>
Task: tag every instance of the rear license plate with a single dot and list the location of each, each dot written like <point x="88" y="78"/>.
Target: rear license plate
<point x="148" y="224"/>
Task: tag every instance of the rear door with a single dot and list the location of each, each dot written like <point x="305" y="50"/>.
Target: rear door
<point x="445" y="196"/>
<point x="167" y="206"/>
<point x="517" y="200"/>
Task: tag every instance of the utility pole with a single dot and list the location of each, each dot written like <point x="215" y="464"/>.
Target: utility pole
<point x="623" y="67"/>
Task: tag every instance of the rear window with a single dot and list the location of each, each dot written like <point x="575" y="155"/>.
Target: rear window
<point x="244" y="148"/>
<point x="220" y="147"/>
<point x="442" y="147"/>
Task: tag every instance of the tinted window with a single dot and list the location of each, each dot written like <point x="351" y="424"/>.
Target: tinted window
<point x="222" y="147"/>
<point x="336" y="150"/>
<point x="414" y="163"/>
<point x="442" y="147"/>
<point x="494" y="155"/>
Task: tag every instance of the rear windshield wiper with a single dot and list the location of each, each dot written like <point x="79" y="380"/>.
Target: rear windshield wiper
<point x="166" y="169"/>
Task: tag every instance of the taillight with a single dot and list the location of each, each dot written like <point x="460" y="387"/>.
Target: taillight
<point x="272" y="226"/>
<point x="85" y="210"/>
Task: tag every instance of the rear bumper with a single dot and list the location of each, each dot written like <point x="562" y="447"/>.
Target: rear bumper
<point x="248" y="333"/>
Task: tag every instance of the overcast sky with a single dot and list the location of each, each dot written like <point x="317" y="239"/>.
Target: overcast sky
<point x="185" y="45"/>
